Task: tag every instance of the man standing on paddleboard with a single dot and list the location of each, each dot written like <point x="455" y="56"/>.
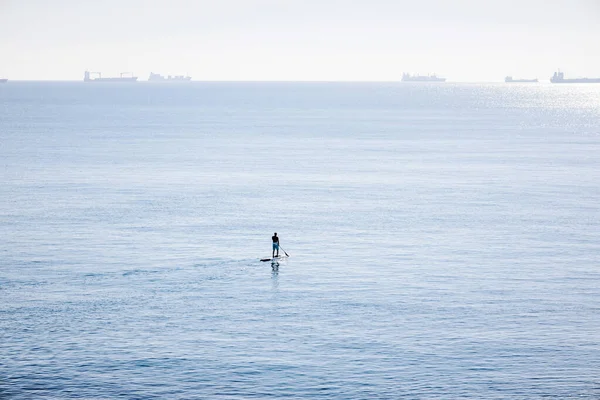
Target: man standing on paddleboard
<point x="275" y="244"/>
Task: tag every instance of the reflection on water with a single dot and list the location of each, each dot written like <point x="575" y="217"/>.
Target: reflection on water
<point x="275" y="275"/>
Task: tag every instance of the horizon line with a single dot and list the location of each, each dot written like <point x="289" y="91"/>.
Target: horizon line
<point x="272" y="81"/>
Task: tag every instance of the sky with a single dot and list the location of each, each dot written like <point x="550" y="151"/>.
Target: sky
<point x="300" y="40"/>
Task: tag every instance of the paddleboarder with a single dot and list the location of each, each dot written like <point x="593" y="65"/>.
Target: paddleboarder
<point x="275" y="245"/>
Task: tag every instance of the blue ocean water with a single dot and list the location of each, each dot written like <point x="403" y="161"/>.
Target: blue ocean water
<point x="443" y="241"/>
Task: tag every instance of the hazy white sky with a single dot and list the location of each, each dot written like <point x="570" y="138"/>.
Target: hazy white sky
<point x="372" y="40"/>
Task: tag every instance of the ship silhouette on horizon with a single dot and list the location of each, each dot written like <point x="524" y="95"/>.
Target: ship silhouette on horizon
<point x="509" y="79"/>
<point x="559" y="77"/>
<point x="87" y="77"/>
<point x="406" y="77"/>
<point x="175" y="78"/>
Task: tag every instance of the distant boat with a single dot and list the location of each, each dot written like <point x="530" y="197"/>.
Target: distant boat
<point x="87" y="77"/>
<point x="509" y="79"/>
<point x="421" y="78"/>
<point x="3" y="80"/>
<point x="176" y="78"/>
<point x="559" y="77"/>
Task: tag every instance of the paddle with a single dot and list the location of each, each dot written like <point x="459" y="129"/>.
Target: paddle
<point x="286" y="254"/>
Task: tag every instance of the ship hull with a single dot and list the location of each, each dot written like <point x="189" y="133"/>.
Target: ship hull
<point x="128" y="79"/>
<point x="160" y="78"/>
<point x="582" y="80"/>
<point x="520" y="80"/>
<point x="170" y="80"/>
<point x="424" y="80"/>
<point x="3" y="80"/>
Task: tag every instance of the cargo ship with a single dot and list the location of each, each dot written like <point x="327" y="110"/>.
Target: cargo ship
<point x="421" y="78"/>
<point x="3" y="80"/>
<point x="559" y="77"/>
<point x="87" y="77"/>
<point x="176" y="78"/>
<point x="509" y="79"/>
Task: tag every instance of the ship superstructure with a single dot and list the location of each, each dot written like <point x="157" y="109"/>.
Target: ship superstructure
<point x="97" y="77"/>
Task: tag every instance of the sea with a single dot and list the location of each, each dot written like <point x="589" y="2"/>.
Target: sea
<point x="443" y="240"/>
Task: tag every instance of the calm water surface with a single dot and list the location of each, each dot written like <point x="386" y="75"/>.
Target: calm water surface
<point x="444" y="241"/>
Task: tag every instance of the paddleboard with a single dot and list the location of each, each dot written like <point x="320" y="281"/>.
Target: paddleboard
<point x="276" y="258"/>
